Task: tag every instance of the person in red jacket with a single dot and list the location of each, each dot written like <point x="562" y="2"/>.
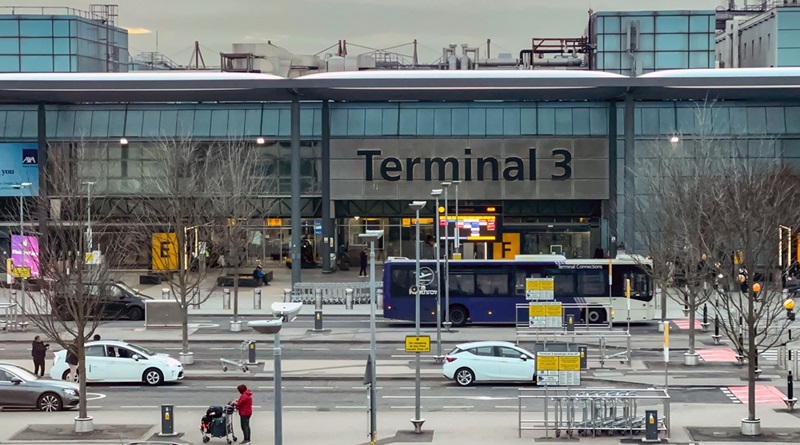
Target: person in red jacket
<point x="245" y="406"/>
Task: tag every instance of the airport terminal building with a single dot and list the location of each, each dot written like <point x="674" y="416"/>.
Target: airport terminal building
<point x="541" y="160"/>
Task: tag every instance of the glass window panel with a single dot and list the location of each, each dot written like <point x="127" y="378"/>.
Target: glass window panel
<point x="776" y="124"/>
<point x="9" y="28"/>
<point x="65" y="124"/>
<point x="546" y="122"/>
<point x="35" y="28"/>
<point x="699" y="23"/>
<point x="116" y="123"/>
<point x="13" y="124"/>
<point x="611" y="42"/>
<point x="83" y="124"/>
<point x="701" y="59"/>
<point x="792" y="120"/>
<point x="791" y="148"/>
<point x="61" y="64"/>
<point x="270" y="119"/>
<point x="721" y="121"/>
<point x="563" y="117"/>
<point x="598" y="121"/>
<point x="99" y="126"/>
<point x="168" y="123"/>
<point x="686" y="120"/>
<point x="511" y="121"/>
<point x="702" y="42"/>
<point x="61" y="27"/>
<point x="462" y="284"/>
<point x="646" y="24"/>
<point x="477" y="121"/>
<point x="756" y="120"/>
<point x="36" y="46"/>
<point x="762" y="148"/>
<point x="61" y="46"/>
<point x="390" y="122"/>
<point x="650" y="121"/>
<point x="30" y="124"/>
<point x="408" y="121"/>
<point x="9" y="46"/>
<point x="528" y="120"/>
<point x="151" y="123"/>
<point x="442" y="124"/>
<point x="494" y="283"/>
<point x="494" y="121"/>
<point x="738" y="120"/>
<point x="133" y="123"/>
<point x="580" y="121"/>
<point x="647" y="42"/>
<point x="592" y="283"/>
<point x="373" y="122"/>
<point x="73" y="46"/>
<point x="355" y="122"/>
<point x="185" y="123"/>
<point x="219" y="122"/>
<point x="672" y="42"/>
<point x="285" y="123"/>
<point x="36" y="64"/>
<point x="460" y="117"/>
<point x="316" y="130"/>
<point x="202" y="123"/>
<point x="612" y="60"/>
<point x="611" y="25"/>
<point x="676" y="60"/>
<point x="425" y="124"/>
<point x="666" y="119"/>
<point x="672" y="24"/>
<point x="252" y="122"/>
<point x="235" y="124"/>
<point x="9" y="64"/>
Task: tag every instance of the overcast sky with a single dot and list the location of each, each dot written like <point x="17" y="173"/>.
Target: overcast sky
<point x="309" y="26"/>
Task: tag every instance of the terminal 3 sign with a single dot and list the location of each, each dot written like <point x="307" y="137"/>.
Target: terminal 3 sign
<point x="489" y="169"/>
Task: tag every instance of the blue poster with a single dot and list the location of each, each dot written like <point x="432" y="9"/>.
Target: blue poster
<point x="19" y="164"/>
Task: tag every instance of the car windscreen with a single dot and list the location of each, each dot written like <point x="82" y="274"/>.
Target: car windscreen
<point x="23" y="373"/>
<point x="141" y="350"/>
<point x="455" y="350"/>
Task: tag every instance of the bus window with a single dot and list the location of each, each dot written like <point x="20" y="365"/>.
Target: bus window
<point x="462" y="284"/>
<point x="563" y="282"/>
<point x="401" y="282"/>
<point x="592" y="283"/>
<point x="491" y="282"/>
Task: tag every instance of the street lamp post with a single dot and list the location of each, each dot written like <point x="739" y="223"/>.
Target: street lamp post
<point x="457" y="245"/>
<point x="372" y="236"/>
<point x="21" y="186"/>
<point x="417" y="421"/>
<point x="438" y="357"/>
<point x="447" y="322"/>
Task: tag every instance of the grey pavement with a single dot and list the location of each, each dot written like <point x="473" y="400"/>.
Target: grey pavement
<point x="444" y="427"/>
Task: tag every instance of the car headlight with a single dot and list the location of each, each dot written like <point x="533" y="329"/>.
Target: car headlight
<point x="70" y="392"/>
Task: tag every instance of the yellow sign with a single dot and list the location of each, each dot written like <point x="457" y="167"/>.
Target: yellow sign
<point x="537" y="310"/>
<point x="569" y="363"/>
<point x="456" y="256"/>
<point x="508" y="248"/>
<point x="418" y="344"/>
<point x="21" y="272"/>
<point x="546" y="363"/>
<point x="553" y="310"/>
<point x="535" y="284"/>
<point x="408" y="222"/>
<point x="274" y="222"/>
<point x="164" y="252"/>
<point x="738" y="257"/>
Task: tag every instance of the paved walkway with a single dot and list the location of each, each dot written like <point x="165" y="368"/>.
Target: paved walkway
<point x="342" y="428"/>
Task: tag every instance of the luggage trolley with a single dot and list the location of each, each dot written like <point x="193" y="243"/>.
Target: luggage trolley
<point x="242" y="363"/>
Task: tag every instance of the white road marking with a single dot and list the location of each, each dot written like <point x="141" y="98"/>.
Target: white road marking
<point x="406" y="407"/>
<point x="220" y="349"/>
<point x="300" y="407"/>
<point x="453" y="397"/>
<point x="413" y="387"/>
<point x="350" y="407"/>
<point x="318" y="387"/>
<point x="172" y="349"/>
<point x="359" y="349"/>
<point x="316" y="349"/>
<point x="94" y="407"/>
<point x="509" y="406"/>
<point x="90" y="396"/>
<point x="459" y="407"/>
<point x="364" y="387"/>
<point x="138" y="406"/>
<point x="194" y="406"/>
<point x="411" y="356"/>
<point x="220" y="387"/>
<point x="266" y="387"/>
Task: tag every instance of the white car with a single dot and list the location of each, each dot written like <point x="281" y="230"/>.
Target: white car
<point x="118" y="361"/>
<point x="489" y="361"/>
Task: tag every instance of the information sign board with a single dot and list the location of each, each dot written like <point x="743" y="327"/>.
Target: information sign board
<point x="539" y="289"/>
<point x="418" y="344"/>
<point x="558" y="368"/>
<point x="545" y="314"/>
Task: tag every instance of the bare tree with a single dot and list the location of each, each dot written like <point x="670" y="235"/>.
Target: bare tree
<point x="717" y="209"/>
<point x="71" y="299"/>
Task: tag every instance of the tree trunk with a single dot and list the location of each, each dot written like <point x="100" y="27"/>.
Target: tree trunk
<point x="692" y="318"/>
<point x="236" y="290"/>
<point x="185" y="325"/>
<point x="751" y="359"/>
<point x="81" y="353"/>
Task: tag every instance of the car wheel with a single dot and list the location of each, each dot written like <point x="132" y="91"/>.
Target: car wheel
<point x="597" y="316"/>
<point x="49" y="402"/>
<point x="464" y="377"/>
<point x="458" y="315"/>
<point x="153" y="377"/>
<point x="65" y="376"/>
<point x="135" y="313"/>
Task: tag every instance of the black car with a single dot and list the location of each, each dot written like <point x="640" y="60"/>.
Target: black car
<point x="112" y="300"/>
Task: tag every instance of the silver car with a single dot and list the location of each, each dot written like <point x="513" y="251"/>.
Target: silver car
<point x="19" y="388"/>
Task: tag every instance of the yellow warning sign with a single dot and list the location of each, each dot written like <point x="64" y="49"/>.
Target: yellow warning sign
<point x="537" y="310"/>
<point x="546" y="363"/>
<point x="418" y="344"/>
<point x="21" y="272"/>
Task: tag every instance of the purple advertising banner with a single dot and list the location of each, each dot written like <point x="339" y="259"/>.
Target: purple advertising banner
<point x="25" y="253"/>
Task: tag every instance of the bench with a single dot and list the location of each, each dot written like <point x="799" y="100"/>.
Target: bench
<point x="244" y="280"/>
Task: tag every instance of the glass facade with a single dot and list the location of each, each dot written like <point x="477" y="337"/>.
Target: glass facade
<point x="60" y="44"/>
<point x="639" y="42"/>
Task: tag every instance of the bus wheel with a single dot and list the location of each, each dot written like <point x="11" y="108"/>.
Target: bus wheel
<point x="597" y="316"/>
<point x="458" y="315"/>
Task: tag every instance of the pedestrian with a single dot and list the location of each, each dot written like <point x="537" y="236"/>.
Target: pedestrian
<point x="245" y="406"/>
<point x="72" y="360"/>
<point x="96" y="337"/>
<point x="39" y="352"/>
<point x="363" y="257"/>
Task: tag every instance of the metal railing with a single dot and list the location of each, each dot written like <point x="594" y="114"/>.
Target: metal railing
<point x="580" y="322"/>
<point x="332" y="293"/>
<point x="610" y="345"/>
<point x="590" y="412"/>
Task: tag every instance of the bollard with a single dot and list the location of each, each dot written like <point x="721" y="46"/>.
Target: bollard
<point x="716" y="335"/>
<point x="758" y="370"/>
<point x="782" y="362"/>
<point x="790" y="401"/>
<point x="348" y="299"/>
<point x="251" y="353"/>
<point x="195" y="300"/>
<point x="379" y="297"/>
<point x="651" y="426"/>
<point x="287" y="295"/>
<point x="226" y="299"/>
<point x="256" y="299"/>
<point x="167" y="421"/>
<point x="318" y="310"/>
<point x="165" y="293"/>
<point x="705" y="316"/>
<point x="570" y="322"/>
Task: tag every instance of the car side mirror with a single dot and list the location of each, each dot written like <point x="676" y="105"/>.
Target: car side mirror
<point x="16" y="380"/>
<point x="523" y="357"/>
<point x="136" y="357"/>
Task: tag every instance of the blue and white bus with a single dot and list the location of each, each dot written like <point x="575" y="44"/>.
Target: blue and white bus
<point x="487" y="291"/>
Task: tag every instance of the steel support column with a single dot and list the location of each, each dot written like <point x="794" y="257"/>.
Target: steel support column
<point x="327" y="221"/>
<point x="630" y="185"/>
<point x="295" y="170"/>
<point x="610" y="212"/>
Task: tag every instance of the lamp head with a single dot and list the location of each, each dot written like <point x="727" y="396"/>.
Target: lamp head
<point x="418" y="205"/>
<point x="446" y="184"/>
<point x="286" y="311"/>
<point x="456" y="182"/>
<point x="436" y="192"/>
<point x="371" y="235"/>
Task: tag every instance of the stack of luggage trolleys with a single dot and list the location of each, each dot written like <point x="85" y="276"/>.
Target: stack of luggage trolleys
<point x="595" y="413"/>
